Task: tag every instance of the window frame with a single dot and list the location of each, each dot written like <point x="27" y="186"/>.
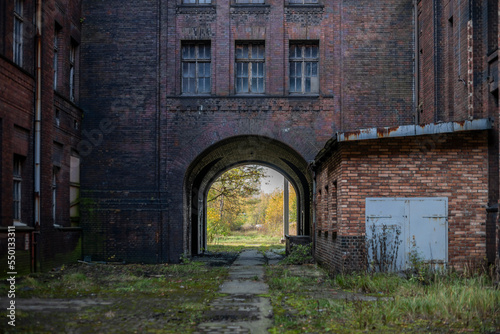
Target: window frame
<point x="74" y="189"/>
<point x="251" y="62"/>
<point x="73" y="54"/>
<point x="303" y="2"/>
<point x="197" y="2"/>
<point x="303" y="60"/>
<point x="17" y="195"/>
<point x="57" y="32"/>
<point x="196" y="61"/>
<point x="55" y="172"/>
<point x="18" y="33"/>
<point x="249" y="2"/>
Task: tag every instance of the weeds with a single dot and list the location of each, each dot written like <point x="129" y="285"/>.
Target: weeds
<point x="300" y="254"/>
<point x="450" y="302"/>
<point x="384" y="247"/>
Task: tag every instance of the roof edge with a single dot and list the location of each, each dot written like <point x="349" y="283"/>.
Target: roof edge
<point x="403" y="131"/>
<point x="415" y="130"/>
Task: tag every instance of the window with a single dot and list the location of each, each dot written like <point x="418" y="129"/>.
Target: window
<point x="57" y="32"/>
<point x="18" y="33"/>
<point x="72" y="69"/>
<point x="250" y="68"/>
<point x="17" y="195"/>
<point x="74" y="190"/>
<point x="250" y="1"/>
<point x="196" y="70"/>
<point x="197" y="2"/>
<point x="54" y="194"/>
<point x="304" y="68"/>
<point x="302" y="2"/>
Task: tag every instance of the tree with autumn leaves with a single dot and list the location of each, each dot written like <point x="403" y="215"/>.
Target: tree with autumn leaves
<point x="235" y="202"/>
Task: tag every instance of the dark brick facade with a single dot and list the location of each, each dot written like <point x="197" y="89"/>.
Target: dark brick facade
<point x="149" y="151"/>
<point x="161" y="154"/>
<point x="51" y="240"/>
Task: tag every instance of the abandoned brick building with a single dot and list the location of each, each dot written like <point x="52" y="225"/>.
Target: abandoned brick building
<point x="381" y="114"/>
<point x="40" y="124"/>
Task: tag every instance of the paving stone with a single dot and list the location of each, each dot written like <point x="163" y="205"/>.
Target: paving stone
<point x="242" y="311"/>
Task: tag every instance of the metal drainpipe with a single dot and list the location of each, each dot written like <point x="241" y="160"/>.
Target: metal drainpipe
<point x="313" y="222"/>
<point x="38" y="116"/>
<point x="416" y="90"/>
<point x="435" y="25"/>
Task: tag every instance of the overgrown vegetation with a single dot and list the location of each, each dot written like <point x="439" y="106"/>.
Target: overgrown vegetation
<point x="381" y="302"/>
<point x="383" y="247"/>
<point x="300" y="254"/>
<point x="129" y="298"/>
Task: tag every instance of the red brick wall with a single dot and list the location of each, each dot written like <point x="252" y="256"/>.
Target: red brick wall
<point x="17" y="112"/>
<point x="453" y="166"/>
<point x="133" y="76"/>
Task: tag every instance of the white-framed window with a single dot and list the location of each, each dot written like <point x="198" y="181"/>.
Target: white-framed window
<point x="196" y="68"/>
<point x="18" y="32"/>
<point x="250" y="1"/>
<point x="303" y="2"/>
<point x="304" y="62"/>
<point x="250" y="61"/>
<point x="72" y="69"/>
<point x="54" y="195"/>
<point x="57" y="31"/>
<point x="197" y="2"/>
<point x="17" y="189"/>
<point x="74" y="190"/>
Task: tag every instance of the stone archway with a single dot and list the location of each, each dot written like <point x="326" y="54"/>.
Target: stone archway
<point x="230" y="153"/>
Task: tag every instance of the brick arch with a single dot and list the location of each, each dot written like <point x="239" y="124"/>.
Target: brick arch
<point x="233" y="152"/>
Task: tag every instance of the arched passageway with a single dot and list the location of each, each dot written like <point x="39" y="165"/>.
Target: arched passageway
<point x="232" y="152"/>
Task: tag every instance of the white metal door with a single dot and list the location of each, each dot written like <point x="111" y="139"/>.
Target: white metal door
<point x="386" y="220"/>
<point x="428" y="229"/>
<point x="418" y="225"/>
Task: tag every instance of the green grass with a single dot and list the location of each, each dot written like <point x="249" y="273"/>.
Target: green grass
<point x="449" y="303"/>
<point x="238" y="241"/>
<point x="143" y="298"/>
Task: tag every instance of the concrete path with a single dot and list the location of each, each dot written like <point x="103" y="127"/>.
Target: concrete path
<point x="243" y="309"/>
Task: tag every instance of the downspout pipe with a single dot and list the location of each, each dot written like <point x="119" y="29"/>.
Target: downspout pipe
<point x="38" y="109"/>
<point x="416" y="68"/>
<point x="38" y="120"/>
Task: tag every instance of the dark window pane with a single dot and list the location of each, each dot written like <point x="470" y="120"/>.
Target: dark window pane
<point x="260" y="71"/>
<point x="185" y="70"/>
<point x="189" y="52"/>
<point x="208" y="70"/>
<point x="245" y="86"/>
<point x="260" y="84"/>
<point x="204" y="52"/>
<point x="258" y="51"/>
<point x="239" y="51"/>
<point x="314" y="69"/>
<point x="192" y="70"/>
<point x="314" y="51"/>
